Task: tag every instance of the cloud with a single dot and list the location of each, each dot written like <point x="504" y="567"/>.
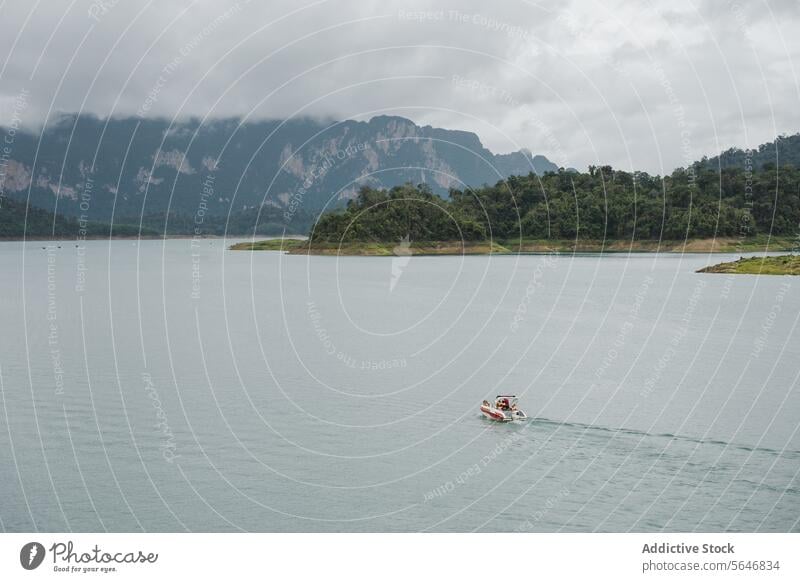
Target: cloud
<point x="603" y="82"/>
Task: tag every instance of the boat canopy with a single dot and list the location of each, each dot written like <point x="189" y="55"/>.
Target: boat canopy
<point x="510" y="398"/>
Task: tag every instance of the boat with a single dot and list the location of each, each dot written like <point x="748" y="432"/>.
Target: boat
<point x="504" y="409"/>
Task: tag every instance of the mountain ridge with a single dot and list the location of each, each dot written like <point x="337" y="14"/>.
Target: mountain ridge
<point x="102" y="169"/>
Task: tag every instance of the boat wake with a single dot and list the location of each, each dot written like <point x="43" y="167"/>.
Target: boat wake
<point x="787" y="453"/>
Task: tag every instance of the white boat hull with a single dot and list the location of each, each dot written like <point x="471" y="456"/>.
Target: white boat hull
<point x="502" y="415"/>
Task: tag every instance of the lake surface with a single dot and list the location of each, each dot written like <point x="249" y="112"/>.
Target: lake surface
<point x="172" y="385"/>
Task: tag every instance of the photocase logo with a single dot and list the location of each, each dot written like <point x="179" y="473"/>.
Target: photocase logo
<point x="31" y="555"/>
<point x="402" y="256"/>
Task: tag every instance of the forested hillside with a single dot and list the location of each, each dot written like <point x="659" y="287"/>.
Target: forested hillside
<point x="602" y="203"/>
<point x="784" y="151"/>
<point x="16" y="223"/>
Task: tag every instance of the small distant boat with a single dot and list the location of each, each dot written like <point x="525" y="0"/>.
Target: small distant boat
<point x="504" y="409"/>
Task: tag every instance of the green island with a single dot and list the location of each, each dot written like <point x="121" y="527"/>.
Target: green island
<point x="782" y="265"/>
<point x="699" y="209"/>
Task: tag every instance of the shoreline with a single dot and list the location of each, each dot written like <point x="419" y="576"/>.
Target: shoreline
<point x="142" y="237"/>
<point x="514" y="247"/>
<point x="780" y="265"/>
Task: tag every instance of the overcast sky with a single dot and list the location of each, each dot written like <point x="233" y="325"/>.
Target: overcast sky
<point x="644" y="85"/>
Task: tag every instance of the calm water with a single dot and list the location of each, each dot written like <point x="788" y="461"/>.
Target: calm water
<point x="155" y="386"/>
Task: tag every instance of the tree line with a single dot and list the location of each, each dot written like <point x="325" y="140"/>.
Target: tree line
<point x="603" y="203"/>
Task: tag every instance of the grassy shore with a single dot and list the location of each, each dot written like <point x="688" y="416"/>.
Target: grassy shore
<point x="783" y="265"/>
<point x="718" y="245"/>
<point x="372" y="249"/>
<point x="273" y="244"/>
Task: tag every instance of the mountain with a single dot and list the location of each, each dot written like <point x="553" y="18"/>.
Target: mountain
<point x="199" y="173"/>
<point x="521" y="163"/>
